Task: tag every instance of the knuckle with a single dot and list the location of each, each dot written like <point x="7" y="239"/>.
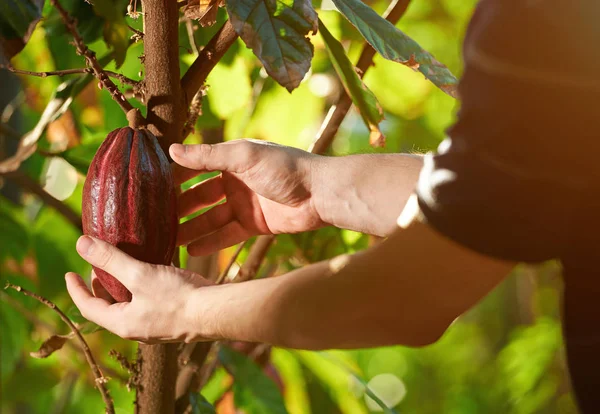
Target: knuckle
<point x="104" y="255"/>
<point x="247" y="147"/>
<point x="204" y="151"/>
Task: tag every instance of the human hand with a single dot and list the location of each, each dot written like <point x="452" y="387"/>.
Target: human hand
<point x="161" y="306"/>
<point x="268" y="189"/>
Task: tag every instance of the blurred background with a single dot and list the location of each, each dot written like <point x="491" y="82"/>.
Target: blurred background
<point x="504" y="356"/>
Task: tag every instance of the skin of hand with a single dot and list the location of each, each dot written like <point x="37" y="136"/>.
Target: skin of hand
<point x="396" y="292"/>
<point x="272" y="189"/>
<point x="150" y="317"/>
<point x="267" y="188"/>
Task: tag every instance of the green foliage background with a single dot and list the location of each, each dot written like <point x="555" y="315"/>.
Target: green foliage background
<point x="504" y="356"/>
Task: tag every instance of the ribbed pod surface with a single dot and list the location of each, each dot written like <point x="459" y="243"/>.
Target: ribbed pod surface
<point x="129" y="201"/>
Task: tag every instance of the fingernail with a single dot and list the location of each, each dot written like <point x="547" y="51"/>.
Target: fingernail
<point x="84" y="245"/>
<point x="178" y="150"/>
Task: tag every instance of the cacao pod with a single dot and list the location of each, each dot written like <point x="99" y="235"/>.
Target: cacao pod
<point x="129" y="201"/>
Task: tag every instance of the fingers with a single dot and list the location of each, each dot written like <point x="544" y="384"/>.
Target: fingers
<point x="92" y="308"/>
<point x="232" y="156"/>
<point x="112" y="260"/>
<point x="182" y="174"/>
<point x="231" y="234"/>
<point x="206" y="223"/>
<point x="201" y="195"/>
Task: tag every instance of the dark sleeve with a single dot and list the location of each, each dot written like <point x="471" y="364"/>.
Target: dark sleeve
<point x="513" y="177"/>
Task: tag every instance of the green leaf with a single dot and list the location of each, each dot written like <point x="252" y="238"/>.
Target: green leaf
<point x="18" y="19"/>
<point x="14" y="237"/>
<point x="89" y="24"/>
<point x="366" y="102"/>
<point x="14" y="331"/>
<point x="393" y="44"/>
<point x="116" y="32"/>
<point x="200" y="405"/>
<point x="254" y="392"/>
<point x="276" y="30"/>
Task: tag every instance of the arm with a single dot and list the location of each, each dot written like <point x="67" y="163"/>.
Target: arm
<point x="272" y="189"/>
<point x="405" y="290"/>
<point x="365" y="193"/>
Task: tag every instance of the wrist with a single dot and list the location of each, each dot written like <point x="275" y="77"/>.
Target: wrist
<point x="236" y="311"/>
<point x="324" y="188"/>
<point x="199" y="313"/>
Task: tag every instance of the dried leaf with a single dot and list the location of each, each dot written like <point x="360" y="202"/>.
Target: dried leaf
<point x="205" y="11"/>
<point x="51" y="345"/>
<point x="411" y="62"/>
<point x="276" y="31"/>
<point x="376" y="137"/>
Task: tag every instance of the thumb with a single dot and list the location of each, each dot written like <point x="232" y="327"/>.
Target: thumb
<point x="232" y="156"/>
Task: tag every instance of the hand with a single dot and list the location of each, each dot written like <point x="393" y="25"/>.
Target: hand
<point x="162" y="296"/>
<point x="268" y="189"/>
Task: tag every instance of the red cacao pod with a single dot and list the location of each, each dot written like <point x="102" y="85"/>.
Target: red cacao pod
<point x="129" y="201"/>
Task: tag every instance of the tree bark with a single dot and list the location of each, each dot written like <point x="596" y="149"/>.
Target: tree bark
<point x="166" y="113"/>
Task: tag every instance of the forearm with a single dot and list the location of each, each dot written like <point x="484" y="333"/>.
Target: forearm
<point x="315" y="307"/>
<point x="405" y="290"/>
<point x="365" y="193"/>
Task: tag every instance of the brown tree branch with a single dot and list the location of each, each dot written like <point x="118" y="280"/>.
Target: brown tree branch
<point x="324" y="138"/>
<point x="192" y="357"/>
<point x="257" y="254"/>
<point x="32" y="186"/>
<point x="90" y="58"/>
<point x="100" y="379"/>
<point x="207" y="59"/>
<point x="166" y="113"/>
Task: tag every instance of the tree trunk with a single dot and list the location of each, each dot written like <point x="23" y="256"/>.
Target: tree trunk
<point x="156" y="392"/>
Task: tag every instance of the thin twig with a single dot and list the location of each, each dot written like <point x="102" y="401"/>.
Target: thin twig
<point x="122" y="78"/>
<point x="207" y="59"/>
<point x="60" y="73"/>
<point x="191" y="38"/>
<point x="90" y="58"/>
<point x="32" y="186"/>
<point x="65" y="72"/>
<point x="35" y="319"/>
<point x="136" y="32"/>
<point x="100" y="379"/>
<point x="225" y="271"/>
<point x="11" y="107"/>
<point x="323" y="140"/>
